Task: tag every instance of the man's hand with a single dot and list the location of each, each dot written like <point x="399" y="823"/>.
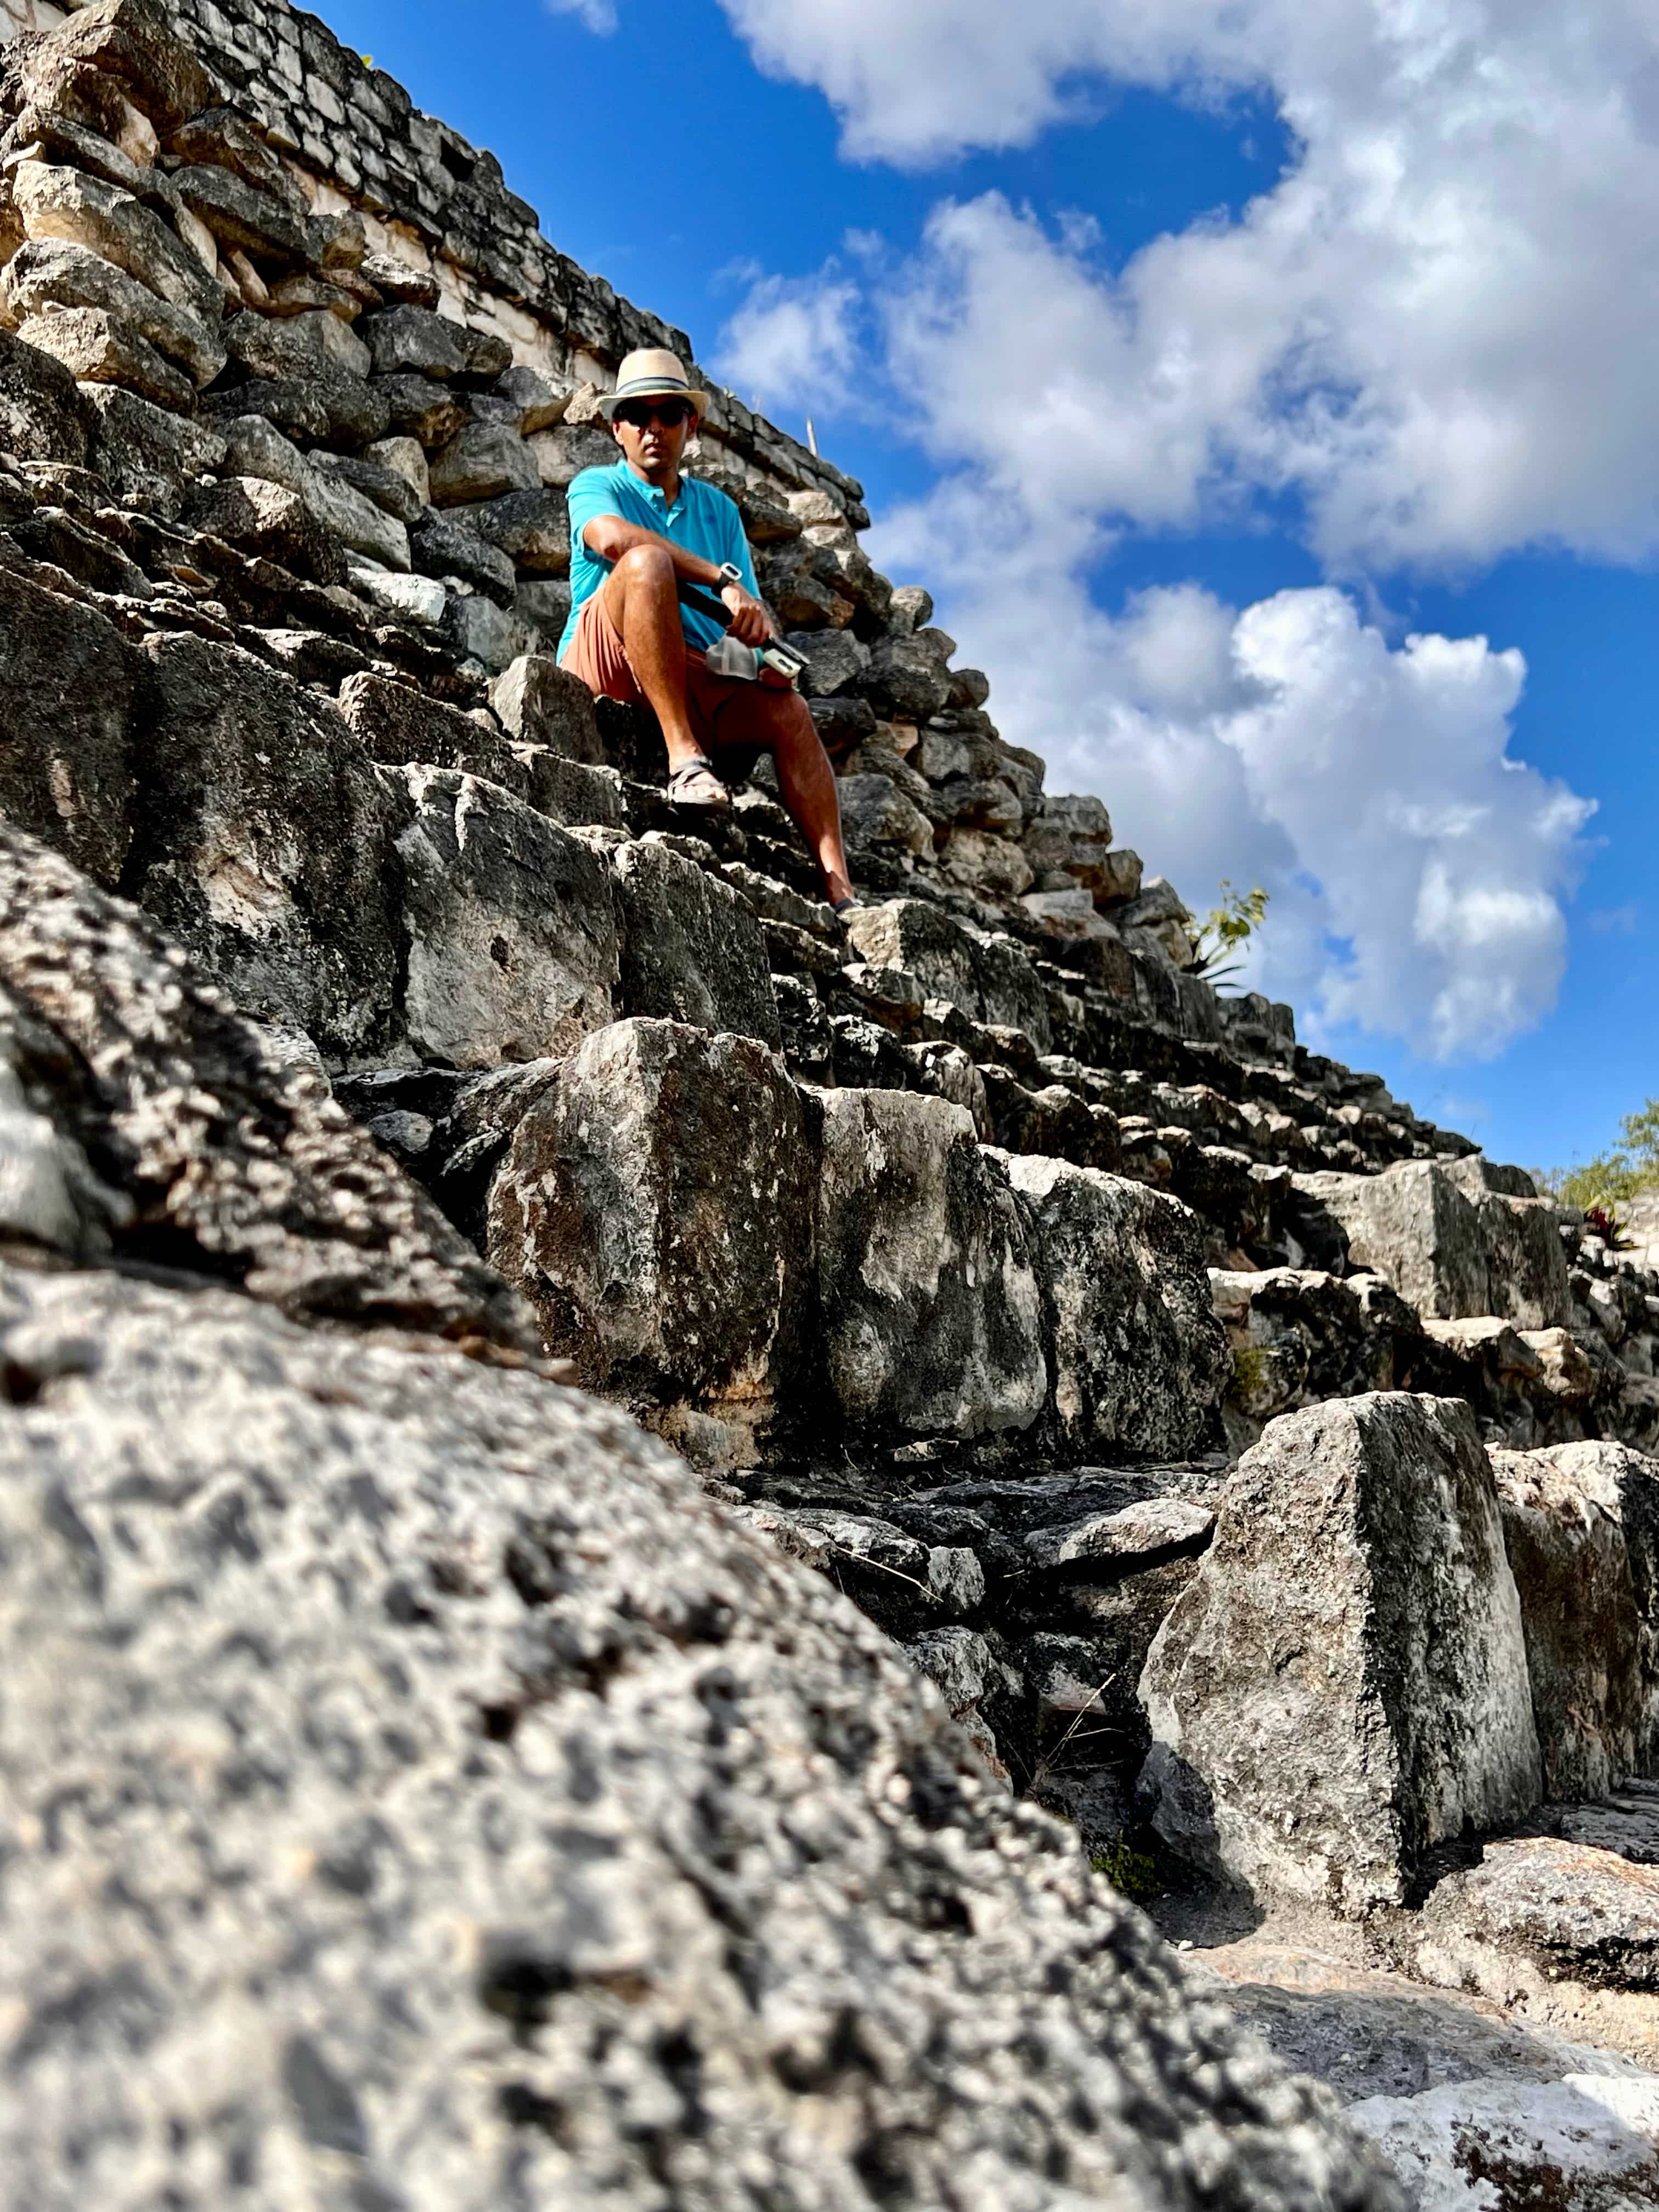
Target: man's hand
<point x="751" y="623"/>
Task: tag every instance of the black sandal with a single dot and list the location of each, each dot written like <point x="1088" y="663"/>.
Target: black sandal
<point x="687" y="774"/>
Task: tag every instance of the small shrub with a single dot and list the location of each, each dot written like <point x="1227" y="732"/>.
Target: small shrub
<point x="1226" y="931"/>
<point x="1132" y="1874"/>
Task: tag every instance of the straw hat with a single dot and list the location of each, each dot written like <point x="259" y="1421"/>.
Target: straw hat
<point x="652" y="373"/>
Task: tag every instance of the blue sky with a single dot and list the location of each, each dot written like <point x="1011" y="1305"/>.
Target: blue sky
<point x="1153" y="325"/>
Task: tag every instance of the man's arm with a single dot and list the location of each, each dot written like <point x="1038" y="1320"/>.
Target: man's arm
<point x="607" y="537"/>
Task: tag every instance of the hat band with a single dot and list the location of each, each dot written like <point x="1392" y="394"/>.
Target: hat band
<point x="651" y="384"/>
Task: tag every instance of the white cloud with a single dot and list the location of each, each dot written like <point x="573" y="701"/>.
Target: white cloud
<point x="598" y="16"/>
<point x="1416" y="869"/>
<point x="794" y="342"/>
<point x="1436" y="329"/>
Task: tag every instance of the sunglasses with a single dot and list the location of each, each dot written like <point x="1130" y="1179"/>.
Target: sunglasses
<point x="639" y="412"/>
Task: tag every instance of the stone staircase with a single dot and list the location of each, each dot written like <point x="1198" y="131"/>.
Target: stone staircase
<point x="1262" y="1476"/>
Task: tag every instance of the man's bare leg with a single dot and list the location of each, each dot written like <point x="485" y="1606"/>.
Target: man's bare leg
<point x="642" y="603"/>
<point x="781" y="721"/>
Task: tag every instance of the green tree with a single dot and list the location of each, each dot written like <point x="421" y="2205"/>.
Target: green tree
<point x="1618" y="1174"/>
<point x="1226" y="931"/>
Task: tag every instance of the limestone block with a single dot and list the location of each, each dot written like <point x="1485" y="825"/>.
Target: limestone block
<point x="1415" y="1228"/>
<point x="658" y="1207"/>
<point x="57" y="203"/>
<point x="980" y="861"/>
<point x="149" y="457"/>
<point x="480" y="631"/>
<point x="415" y="598"/>
<point x="988" y="978"/>
<point x="540" y="703"/>
<point x="1582" y="1524"/>
<point x="292" y="409"/>
<point x="1138" y="1359"/>
<point x="269" y="522"/>
<point x="1578" y="1917"/>
<point x="931" y="1311"/>
<point x="1526" y="1267"/>
<point x="265" y="843"/>
<point x="1343" y="1686"/>
<point x="834" y="657"/>
<point x="907" y="674"/>
<point x="41" y="416"/>
<point x="134" y="44"/>
<point x="380" y="1561"/>
<point x="404" y="457"/>
<point x="483" y="461"/>
<point x="66" y="716"/>
<point x="418" y="408"/>
<point x="54" y="272"/>
<point x="532" y="528"/>
<point x="875" y="813"/>
<point x="219" y="137"/>
<point x="440" y="545"/>
<point x="543" y="603"/>
<point x="228" y="1156"/>
<point x="355" y="520"/>
<point x="539" y="403"/>
<point x="912" y="609"/>
<point x="400" y="725"/>
<point x="512" y="942"/>
<point x="406" y="341"/>
<point x="241" y="215"/>
<point x="691" y="949"/>
<point x="388" y="489"/>
<point x="256" y="448"/>
<point x="563" y="454"/>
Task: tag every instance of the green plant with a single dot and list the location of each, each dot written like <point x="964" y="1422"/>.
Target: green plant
<point x="1613" y="1177"/>
<point x="1226" y="931"/>
<point x="1132" y="1874"/>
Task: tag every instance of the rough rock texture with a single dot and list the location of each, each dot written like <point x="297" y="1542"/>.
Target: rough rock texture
<point x="692" y="949"/>
<point x="1579" y="1525"/>
<point x="1343" y="1686"/>
<point x="1138" y="1359"/>
<point x="213" y="1150"/>
<point x="512" y="940"/>
<point x="463" y="1811"/>
<point x="657" y="1206"/>
<point x="931" y="1311"/>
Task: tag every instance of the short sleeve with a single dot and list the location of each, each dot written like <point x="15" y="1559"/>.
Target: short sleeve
<point x="591" y="494"/>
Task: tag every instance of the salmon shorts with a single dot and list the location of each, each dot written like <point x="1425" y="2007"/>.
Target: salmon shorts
<point x="598" y="656"/>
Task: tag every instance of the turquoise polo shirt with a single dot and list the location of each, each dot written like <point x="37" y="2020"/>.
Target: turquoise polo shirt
<point x="704" y="520"/>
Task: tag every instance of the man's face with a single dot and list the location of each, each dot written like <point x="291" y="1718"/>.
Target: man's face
<point x="653" y="434"/>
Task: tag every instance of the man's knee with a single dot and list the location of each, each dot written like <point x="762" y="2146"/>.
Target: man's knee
<point x="650" y="567"/>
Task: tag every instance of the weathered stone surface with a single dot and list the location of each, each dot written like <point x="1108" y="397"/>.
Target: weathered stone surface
<point x="440" y="546"/>
<point x="657" y="1206"/>
<point x="532" y="528"/>
<point x="133" y="42"/>
<point x="1343" y="1686"/>
<point x="481" y="631"/>
<point x="932" y="1321"/>
<point x="353" y="520"/>
<point x="419" y="408"/>
<point x="324" y="357"/>
<point x="66" y="766"/>
<point x="240" y="214"/>
<point x="988" y="978"/>
<point x="1580" y="1522"/>
<point x="1298" y="1334"/>
<point x="907" y="674"/>
<point x="263" y="841"/>
<point x="875" y="815"/>
<point x="409" y="341"/>
<point x="691" y="949"/>
<point x="539" y="702"/>
<point x="230" y="1159"/>
<point x="1139" y="1359"/>
<point x="422" y="1559"/>
<point x="400" y="725"/>
<point x="100" y="348"/>
<point x="41" y="416"/>
<point x="55" y="272"/>
<point x="482" y="462"/>
<point x="1572" y="1912"/>
<point x="388" y="489"/>
<point x="267" y="520"/>
<point x="1127" y="1535"/>
<point x="60" y="203"/>
<point x="512" y="944"/>
<point x="149" y="457"/>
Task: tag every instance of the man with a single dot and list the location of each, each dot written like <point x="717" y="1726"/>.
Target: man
<point x="638" y="530"/>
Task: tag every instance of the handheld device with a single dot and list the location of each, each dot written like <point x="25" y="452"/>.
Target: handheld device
<point x="729" y="656"/>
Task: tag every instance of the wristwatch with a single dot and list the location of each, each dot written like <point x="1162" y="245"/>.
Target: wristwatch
<point x="730" y="574"/>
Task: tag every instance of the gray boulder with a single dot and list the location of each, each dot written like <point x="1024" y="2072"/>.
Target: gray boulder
<point x="1138" y="1359"/>
<point x="988" y="978"/>
<point x="1343" y="1686"/>
<point x="66" y="203"/>
<point x="56" y="272"/>
<point x="510" y="937"/>
<point x="41" y="417"/>
<point x="691" y="948"/>
<point x="541" y="704"/>
<point x="225" y="1155"/>
<point x="149" y="457"/>
<point x="464" y="1809"/>
<point x="933" y="1314"/>
<point x="657" y="1206"/>
<point x="532" y="528"/>
<point x="1581" y="1524"/>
